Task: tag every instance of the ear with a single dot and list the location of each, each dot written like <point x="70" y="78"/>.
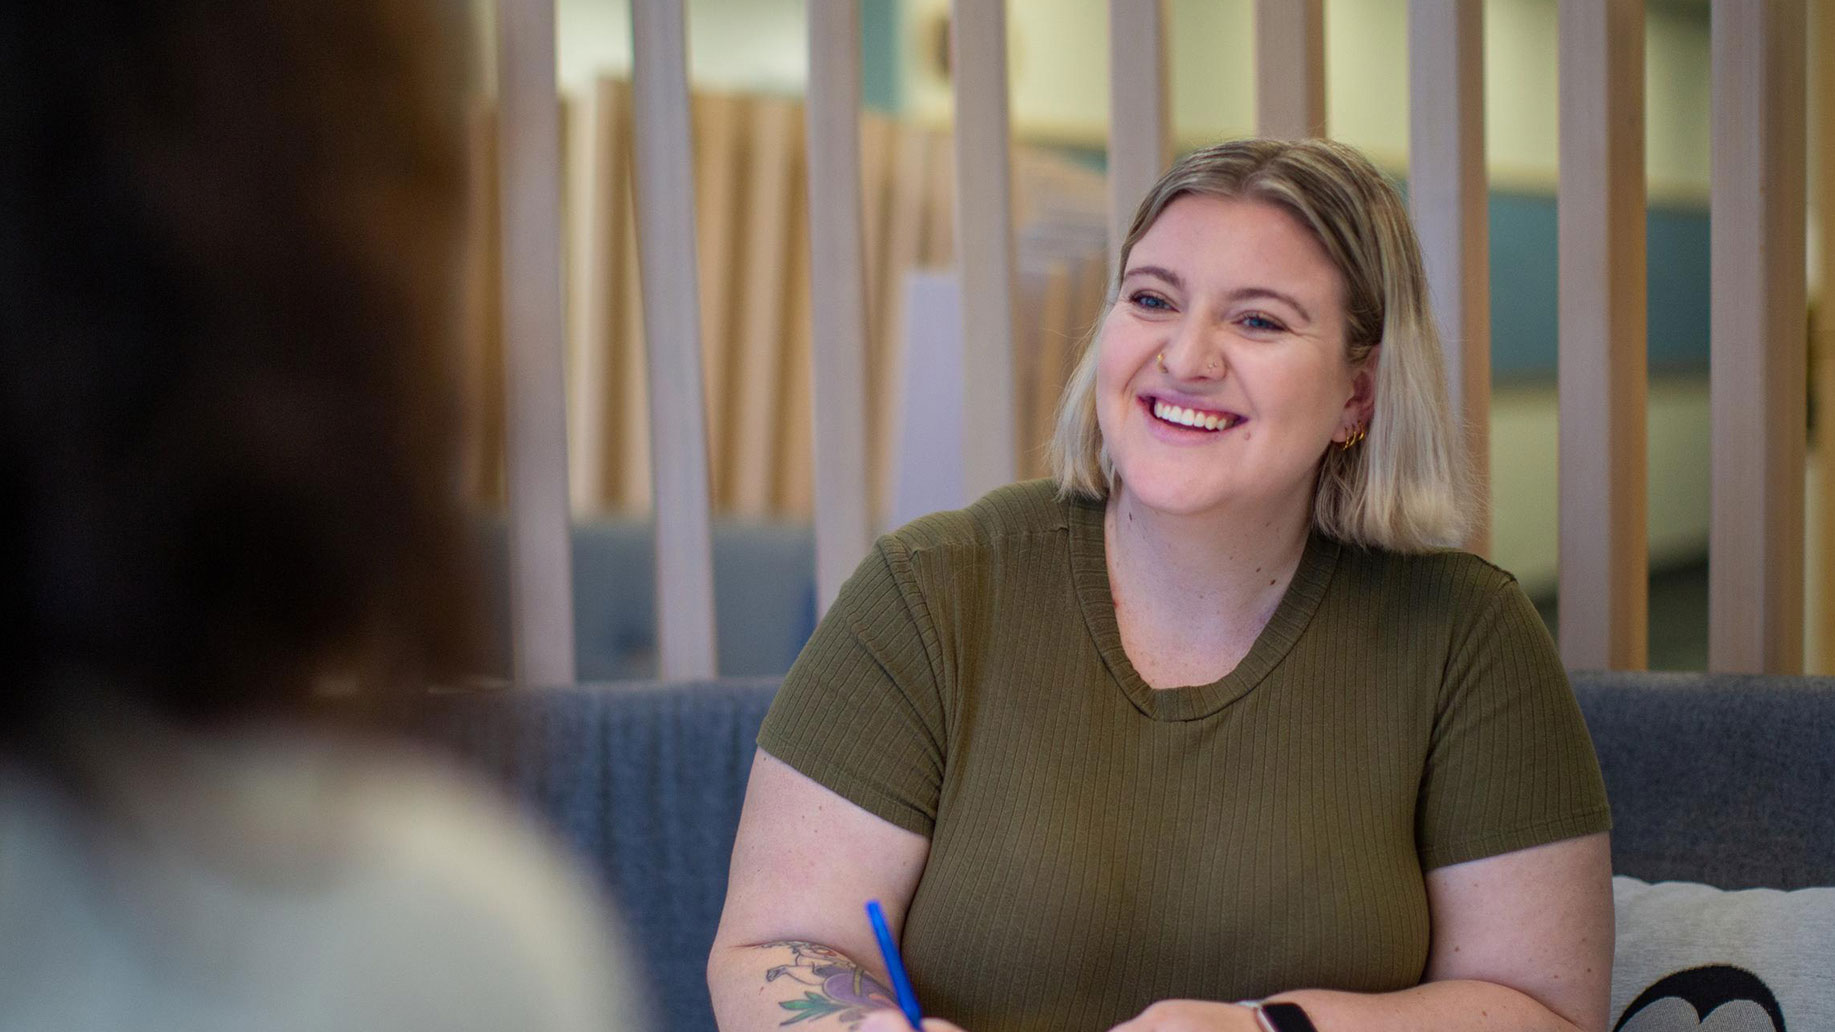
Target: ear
<point x="1361" y="405"/>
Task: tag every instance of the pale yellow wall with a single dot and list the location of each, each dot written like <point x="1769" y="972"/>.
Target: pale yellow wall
<point x="1058" y="57"/>
<point x="1525" y="445"/>
<point x="759" y="45"/>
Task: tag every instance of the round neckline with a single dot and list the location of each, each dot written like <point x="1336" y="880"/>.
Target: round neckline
<point x="1090" y="574"/>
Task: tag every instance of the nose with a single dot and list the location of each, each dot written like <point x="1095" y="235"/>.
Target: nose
<point x="1192" y="353"/>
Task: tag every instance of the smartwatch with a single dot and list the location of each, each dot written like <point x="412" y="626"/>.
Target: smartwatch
<point x="1282" y="1017"/>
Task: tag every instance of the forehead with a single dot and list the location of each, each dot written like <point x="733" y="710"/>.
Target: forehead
<point x="1230" y="240"/>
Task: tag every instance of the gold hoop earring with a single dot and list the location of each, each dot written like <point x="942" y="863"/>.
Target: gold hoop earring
<point x="1351" y="439"/>
<point x="1161" y="359"/>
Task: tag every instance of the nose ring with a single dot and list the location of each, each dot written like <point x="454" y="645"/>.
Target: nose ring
<point x="1161" y="359"/>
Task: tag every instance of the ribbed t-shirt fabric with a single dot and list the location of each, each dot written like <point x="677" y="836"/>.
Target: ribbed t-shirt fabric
<point x="1097" y="845"/>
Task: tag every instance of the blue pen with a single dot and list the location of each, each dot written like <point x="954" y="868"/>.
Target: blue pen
<point x="895" y="966"/>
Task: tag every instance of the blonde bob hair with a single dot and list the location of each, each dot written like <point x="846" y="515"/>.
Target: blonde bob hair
<point x="1403" y="488"/>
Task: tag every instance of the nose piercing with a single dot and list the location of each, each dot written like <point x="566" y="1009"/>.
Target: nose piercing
<point x="1161" y="359"/>
<point x="1210" y="365"/>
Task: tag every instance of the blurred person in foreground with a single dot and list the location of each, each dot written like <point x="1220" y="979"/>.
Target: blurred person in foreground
<point x="1213" y="731"/>
<point x="228" y="243"/>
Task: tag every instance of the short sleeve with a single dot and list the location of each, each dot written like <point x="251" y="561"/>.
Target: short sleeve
<point x="861" y="710"/>
<point x="1510" y="764"/>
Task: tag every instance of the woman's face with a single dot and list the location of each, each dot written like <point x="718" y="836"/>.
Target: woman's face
<point x="1248" y="313"/>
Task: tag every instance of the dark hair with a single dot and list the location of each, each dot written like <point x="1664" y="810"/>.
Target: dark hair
<point x="228" y="243"/>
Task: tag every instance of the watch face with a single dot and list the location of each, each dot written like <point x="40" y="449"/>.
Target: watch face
<point x="1286" y="1017"/>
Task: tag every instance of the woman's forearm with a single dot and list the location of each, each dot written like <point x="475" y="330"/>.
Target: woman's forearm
<point x="1456" y="1004"/>
<point x="767" y="985"/>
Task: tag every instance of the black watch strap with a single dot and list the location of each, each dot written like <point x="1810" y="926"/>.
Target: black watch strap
<point x="1285" y="1017"/>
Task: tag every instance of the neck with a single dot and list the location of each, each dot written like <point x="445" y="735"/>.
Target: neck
<point x="1224" y="565"/>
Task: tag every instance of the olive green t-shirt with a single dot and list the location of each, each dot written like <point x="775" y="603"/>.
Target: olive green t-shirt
<point x="1097" y="845"/>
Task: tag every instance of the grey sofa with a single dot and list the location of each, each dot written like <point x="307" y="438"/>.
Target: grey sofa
<point x="1720" y="779"/>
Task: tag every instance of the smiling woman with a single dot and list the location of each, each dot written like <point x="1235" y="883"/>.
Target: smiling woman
<point x="1213" y="716"/>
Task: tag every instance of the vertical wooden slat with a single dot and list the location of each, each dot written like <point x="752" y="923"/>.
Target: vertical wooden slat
<point x="984" y="242"/>
<point x="1825" y="336"/>
<point x="838" y="294"/>
<point x="588" y="357"/>
<point x="1756" y="393"/>
<point x="671" y="297"/>
<point x="793" y="492"/>
<point x="1139" y="137"/>
<point x="1290" y="68"/>
<point x="719" y="122"/>
<point x="529" y="152"/>
<point x="1446" y="193"/>
<point x="482" y="367"/>
<point x="751" y="441"/>
<point x="603" y="319"/>
<point x="1603" y="557"/>
<point x="632" y="368"/>
<point x="940" y="201"/>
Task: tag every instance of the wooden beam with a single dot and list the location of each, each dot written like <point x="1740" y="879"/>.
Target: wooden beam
<point x="1140" y="136"/>
<point x="1824" y="135"/>
<point x="838" y="295"/>
<point x="1602" y="375"/>
<point x="758" y="397"/>
<point x="984" y="242"/>
<point x="529" y="152"/>
<point x="1756" y="393"/>
<point x="720" y="165"/>
<point x="1290" y="68"/>
<point x="671" y="299"/>
<point x="481" y="364"/>
<point x="1447" y="195"/>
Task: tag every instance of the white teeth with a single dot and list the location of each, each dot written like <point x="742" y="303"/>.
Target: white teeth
<point x="1191" y="417"/>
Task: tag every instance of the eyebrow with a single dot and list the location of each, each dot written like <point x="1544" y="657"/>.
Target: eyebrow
<point x="1177" y="282"/>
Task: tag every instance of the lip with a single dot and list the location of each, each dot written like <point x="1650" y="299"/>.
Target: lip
<point x="1175" y="433"/>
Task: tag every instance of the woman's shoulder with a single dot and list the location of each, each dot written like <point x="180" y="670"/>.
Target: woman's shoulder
<point x="1448" y="580"/>
<point x="1024" y="509"/>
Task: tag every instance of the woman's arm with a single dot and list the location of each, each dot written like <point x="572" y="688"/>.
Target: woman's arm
<point x="1521" y="942"/>
<point x="794" y="939"/>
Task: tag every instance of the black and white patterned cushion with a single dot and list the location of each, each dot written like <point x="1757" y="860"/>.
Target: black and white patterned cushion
<point x="1694" y="958"/>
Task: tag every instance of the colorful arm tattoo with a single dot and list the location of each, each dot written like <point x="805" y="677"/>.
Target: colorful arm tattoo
<point x="832" y="984"/>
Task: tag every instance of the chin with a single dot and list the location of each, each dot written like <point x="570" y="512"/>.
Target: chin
<point x="1173" y="497"/>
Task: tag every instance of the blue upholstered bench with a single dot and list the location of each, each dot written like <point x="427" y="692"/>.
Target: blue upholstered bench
<point x="1718" y="779"/>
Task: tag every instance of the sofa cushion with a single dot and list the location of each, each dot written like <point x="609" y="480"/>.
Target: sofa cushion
<point x="1692" y="957"/>
<point x="1716" y="778"/>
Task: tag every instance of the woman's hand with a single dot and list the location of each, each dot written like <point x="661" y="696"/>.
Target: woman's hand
<point x="894" y="1021"/>
<point x="1191" y="1016"/>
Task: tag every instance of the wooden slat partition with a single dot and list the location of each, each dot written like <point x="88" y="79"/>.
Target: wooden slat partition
<point x="1447" y="196"/>
<point x="1824" y="372"/>
<point x="1603" y="557"/>
<point x="1139" y="129"/>
<point x="590" y="385"/>
<point x="1290" y="68"/>
<point x="757" y="395"/>
<point x="671" y="298"/>
<point x="529" y="153"/>
<point x="984" y="234"/>
<point x="1756" y="396"/>
<point x="838" y="294"/>
<point x="481" y="365"/>
<point x="720" y="130"/>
